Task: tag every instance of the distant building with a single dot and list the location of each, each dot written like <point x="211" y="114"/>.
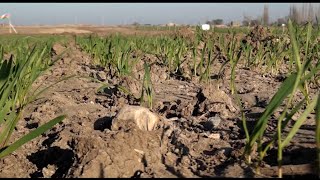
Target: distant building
<point x="235" y="24"/>
<point x="171" y="24"/>
<point x="221" y="26"/>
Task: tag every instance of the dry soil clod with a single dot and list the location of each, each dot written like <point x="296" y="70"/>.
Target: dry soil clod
<point x="139" y="116"/>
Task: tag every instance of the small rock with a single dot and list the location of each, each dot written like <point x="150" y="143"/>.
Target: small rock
<point x="215" y="120"/>
<point x="214" y="136"/>
<point x="145" y="175"/>
<point x="176" y="151"/>
<point x="163" y="76"/>
<point x="211" y="123"/>
<point x="49" y="171"/>
<point x="267" y="166"/>
<point x="86" y="68"/>
<point x="185" y="160"/>
<point x="101" y="76"/>
<point x="139" y="151"/>
<point x="249" y="100"/>
<point x="57" y="49"/>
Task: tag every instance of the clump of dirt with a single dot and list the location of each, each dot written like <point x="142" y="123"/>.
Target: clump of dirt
<point x="140" y="117"/>
<point x="186" y="33"/>
<point x="125" y="154"/>
<point x="258" y="35"/>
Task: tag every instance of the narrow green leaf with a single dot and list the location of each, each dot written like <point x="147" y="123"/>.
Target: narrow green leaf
<point x="300" y="121"/>
<point x="285" y="89"/>
<point x="6" y="151"/>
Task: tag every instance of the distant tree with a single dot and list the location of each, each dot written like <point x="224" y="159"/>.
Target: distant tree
<point x="266" y="15"/>
<point x="255" y="22"/>
<point x="274" y="23"/>
<point x="246" y="20"/>
<point x="294" y="14"/>
<point x="304" y="12"/>
<point x="217" y="21"/>
<point x="135" y="24"/>
<point x="208" y="22"/>
<point x="281" y="21"/>
<point x="310" y="13"/>
<point x="246" y="23"/>
<point x="317" y="13"/>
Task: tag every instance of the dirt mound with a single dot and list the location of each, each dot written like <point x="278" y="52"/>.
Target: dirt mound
<point x="258" y="35"/>
<point x="186" y="32"/>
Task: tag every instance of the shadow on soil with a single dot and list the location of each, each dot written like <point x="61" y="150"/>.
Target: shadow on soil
<point x="103" y="123"/>
<point x="61" y="158"/>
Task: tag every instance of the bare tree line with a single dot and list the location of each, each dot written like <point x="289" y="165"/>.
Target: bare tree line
<point x="308" y="12"/>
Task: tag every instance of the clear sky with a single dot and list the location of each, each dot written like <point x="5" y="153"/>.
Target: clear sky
<point x="144" y="13"/>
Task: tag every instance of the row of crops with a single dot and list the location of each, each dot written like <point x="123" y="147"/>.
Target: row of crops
<point x="297" y="49"/>
<point x="22" y="61"/>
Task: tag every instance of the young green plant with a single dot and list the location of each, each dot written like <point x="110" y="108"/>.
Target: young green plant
<point x="16" y="78"/>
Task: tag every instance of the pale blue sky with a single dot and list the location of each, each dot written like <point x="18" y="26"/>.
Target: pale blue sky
<point x="123" y="13"/>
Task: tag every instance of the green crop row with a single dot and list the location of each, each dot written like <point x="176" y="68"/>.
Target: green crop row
<point x="22" y="61"/>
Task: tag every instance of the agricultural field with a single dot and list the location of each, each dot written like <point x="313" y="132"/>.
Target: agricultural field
<point x="156" y="102"/>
